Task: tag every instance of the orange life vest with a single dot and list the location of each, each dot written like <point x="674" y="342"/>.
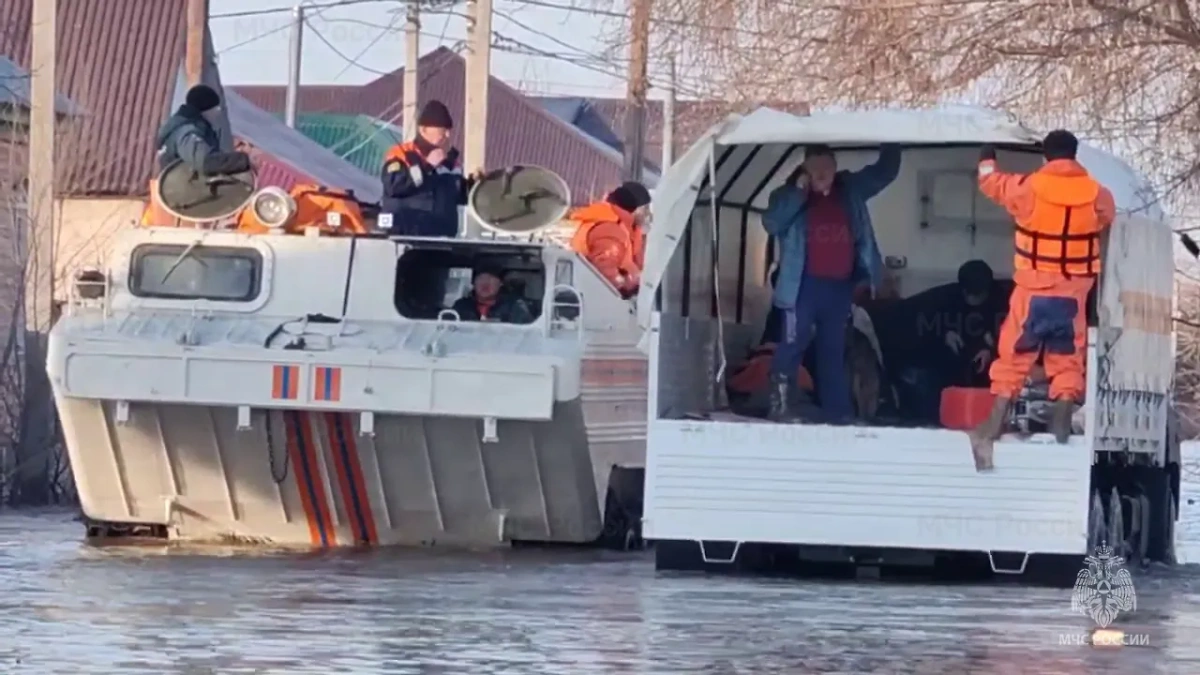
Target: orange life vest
<point x="1062" y="234"/>
<point x="313" y="204"/>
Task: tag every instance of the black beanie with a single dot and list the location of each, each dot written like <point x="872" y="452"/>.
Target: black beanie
<point x="629" y="197"/>
<point x="435" y="114"/>
<point x="487" y="267"/>
<point x="1060" y="144"/>
<point x="203" y="98"/>
<point x="975" y="276"/>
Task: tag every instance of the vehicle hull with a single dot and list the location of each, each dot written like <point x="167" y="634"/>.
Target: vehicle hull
<point x="310" y="478"/>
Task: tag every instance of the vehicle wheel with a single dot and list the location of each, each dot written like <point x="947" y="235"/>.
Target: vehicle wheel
<point x="1169" y="529"/>
<point x="1097" y="527"/>
<point x="1116" y="525"/>
<point x="1163" y="510"/>
<point x="1139" y="538"/>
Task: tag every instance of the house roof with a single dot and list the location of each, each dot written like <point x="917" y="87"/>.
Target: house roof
<point x="117" y="59"/>
<point x="361" y="139"/>
<point x="15" y="90"/>
<point x="520" y="131"/>
<point x="292" y="150"/>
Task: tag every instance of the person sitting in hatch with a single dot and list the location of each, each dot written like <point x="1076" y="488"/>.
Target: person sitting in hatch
<point x="489" y="300"/>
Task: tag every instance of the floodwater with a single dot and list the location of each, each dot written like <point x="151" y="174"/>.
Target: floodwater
<point x="70" y="608"/>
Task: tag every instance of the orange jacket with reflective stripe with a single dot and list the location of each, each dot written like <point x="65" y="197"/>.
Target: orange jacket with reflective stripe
<point x="1060" y="213"/>
<point x="611" y="239"/>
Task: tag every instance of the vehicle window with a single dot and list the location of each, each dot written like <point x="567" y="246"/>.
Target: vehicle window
<point x="220" y="273"/>
<point x="458" y="284"/>
<point x="429" y="281"/>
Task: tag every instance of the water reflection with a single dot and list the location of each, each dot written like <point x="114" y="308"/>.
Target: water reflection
<point x="76" y="609"/>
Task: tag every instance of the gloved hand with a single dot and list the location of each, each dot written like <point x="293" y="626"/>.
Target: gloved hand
<point x="987" y="152"/>
<point x="226" y="163"/>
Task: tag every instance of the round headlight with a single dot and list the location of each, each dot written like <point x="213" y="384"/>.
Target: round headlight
<point x="273" y="207"/>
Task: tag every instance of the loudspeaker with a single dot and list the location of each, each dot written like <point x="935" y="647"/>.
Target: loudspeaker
<point x="521" y="200"/>
<point x="192" y="196"/>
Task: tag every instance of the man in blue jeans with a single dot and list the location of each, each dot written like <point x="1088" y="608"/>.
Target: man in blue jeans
<point x="827" y="249"/>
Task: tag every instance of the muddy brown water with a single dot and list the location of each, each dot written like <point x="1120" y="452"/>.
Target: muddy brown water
<point x="67" y="607"/>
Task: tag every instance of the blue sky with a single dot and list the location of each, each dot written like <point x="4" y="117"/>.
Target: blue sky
<point x="254" y="49"/>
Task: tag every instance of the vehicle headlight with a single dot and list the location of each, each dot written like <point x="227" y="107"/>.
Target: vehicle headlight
<point x="273" y="207"/>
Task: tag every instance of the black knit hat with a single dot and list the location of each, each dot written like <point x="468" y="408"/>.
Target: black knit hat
<point x="203" y="98"/>
<point x="435" y="114"/>
<point x="1060" y="144"/>
<point x="975" y="276"/>
<point x="630" y="197"/>
<point x="488" y="267"/>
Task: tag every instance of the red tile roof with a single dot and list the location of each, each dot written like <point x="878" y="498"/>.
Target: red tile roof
<point x="118" y="60"/>
<point x="519" y="130"/>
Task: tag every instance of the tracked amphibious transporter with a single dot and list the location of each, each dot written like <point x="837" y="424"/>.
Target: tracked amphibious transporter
<point x="263" y="368"/>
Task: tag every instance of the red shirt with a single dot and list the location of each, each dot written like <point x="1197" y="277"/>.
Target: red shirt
<point x="830" y="242"/>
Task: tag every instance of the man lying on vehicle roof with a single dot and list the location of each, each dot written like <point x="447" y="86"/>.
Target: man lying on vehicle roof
<point x="611" y="236"/>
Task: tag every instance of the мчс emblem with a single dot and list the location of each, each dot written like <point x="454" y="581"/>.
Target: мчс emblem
<point x="1103" y="588"/>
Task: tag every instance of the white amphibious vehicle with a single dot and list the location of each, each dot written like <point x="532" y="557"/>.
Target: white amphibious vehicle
<point x="296" y="390"/>
<point x="731" y="492"/>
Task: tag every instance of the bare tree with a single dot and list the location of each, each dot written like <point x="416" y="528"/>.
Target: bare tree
<point x="33" y="465"/>
<point x="1123" y="73"/>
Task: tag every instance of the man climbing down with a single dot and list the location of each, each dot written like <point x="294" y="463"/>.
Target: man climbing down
<point x="611" y="235"/>
<point x="827" y="246"/>
<point x="1060" y="213"/>
<point x="423" y="185"/>
<point x="190" y="135"/>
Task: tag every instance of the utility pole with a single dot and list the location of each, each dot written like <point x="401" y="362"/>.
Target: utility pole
<point x="295" y="54"/>
<point x="412" y="54"/>
<point x="668" y="135"/>
<point x="37" y="414"/>
<point x="197" y="28"/>
<point x="39" y="275"/>
<point x="479" y="68"/>
<point x="635" y="99"/>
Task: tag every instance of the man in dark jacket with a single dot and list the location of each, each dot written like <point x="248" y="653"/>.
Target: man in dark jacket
<point x="423" y="184"/>
<point x="189" y="135"/>
<point x="490" y="301"/>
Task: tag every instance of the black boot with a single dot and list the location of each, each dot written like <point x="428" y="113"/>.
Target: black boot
<point x="984" y="436"/>
<point x="780" y="409"/>
<point x="1061" y="418"/>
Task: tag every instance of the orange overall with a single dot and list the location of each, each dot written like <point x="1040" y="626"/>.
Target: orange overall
<point x="611" y="239"/>
<point x="1060" y="213"/>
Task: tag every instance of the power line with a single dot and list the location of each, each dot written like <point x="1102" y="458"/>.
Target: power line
<point x="595" y="11"/>
<point x="313" y="5"/>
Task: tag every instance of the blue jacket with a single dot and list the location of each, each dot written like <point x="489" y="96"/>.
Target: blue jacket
<point x="785" y="219"/>
<point x="186" y="135"/>
<point x="422" y="199"/>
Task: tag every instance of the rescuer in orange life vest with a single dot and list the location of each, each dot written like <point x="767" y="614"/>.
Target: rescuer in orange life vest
<point x="611" y="235"/>
<point x="1060" y="213"/>
<point x="423" y="183"/>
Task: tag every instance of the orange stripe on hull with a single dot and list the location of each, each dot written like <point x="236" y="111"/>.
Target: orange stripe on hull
<point x="303" y="477"/>
<point x="324" y="509"/>
<point x="350" y="477"/>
